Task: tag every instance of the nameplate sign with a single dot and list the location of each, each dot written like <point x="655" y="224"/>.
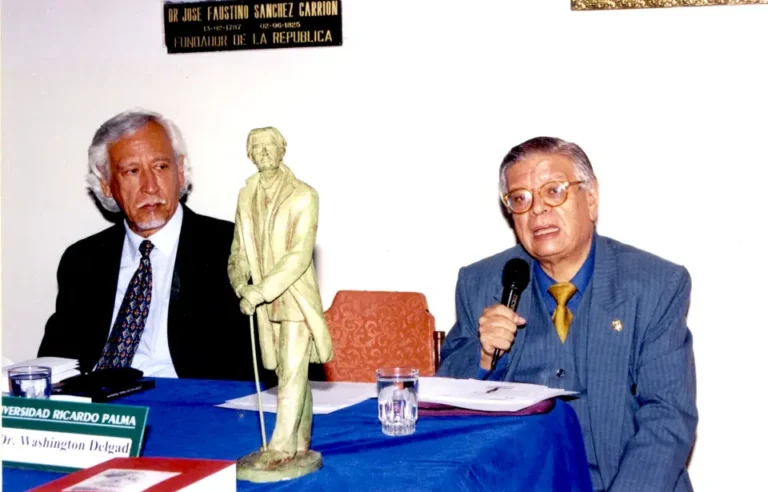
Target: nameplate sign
<point x="232" y="25"/>
<point x="67" y="436"/>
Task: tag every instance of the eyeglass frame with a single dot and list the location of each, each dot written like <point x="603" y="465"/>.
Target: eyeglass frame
<point x="567" y="185"/>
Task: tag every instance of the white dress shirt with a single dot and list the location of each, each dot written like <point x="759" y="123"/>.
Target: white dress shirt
<point x="153" y="355"/>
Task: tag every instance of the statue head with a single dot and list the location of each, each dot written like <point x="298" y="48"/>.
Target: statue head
<point x="266" y="148"/>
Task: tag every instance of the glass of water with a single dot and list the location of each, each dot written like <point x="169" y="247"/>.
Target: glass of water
<point x="30" y="381"/>
<point x="398" y="389"/>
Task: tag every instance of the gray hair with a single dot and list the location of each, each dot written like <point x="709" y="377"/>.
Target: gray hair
<point x="268" y="130"/>
<point x="548" y="145"/>
<point x="126" y="123"/>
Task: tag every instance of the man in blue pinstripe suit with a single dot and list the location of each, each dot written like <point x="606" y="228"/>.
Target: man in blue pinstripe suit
<point x="599" y="317"/>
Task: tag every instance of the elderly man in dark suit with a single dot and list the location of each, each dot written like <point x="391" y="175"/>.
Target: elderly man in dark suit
<point x="152" y="291"/>
<point x="599" y="317"/>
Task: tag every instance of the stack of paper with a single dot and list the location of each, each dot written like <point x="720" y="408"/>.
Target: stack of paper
<point x="488" y="396"/>
<point x="327" y="397"/>
<point x="61" y="368"/>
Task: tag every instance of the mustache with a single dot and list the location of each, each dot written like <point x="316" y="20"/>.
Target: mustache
<point x="152" y="201"/>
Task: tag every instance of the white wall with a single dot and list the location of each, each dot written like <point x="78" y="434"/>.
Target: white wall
<point x="401" y="131"/>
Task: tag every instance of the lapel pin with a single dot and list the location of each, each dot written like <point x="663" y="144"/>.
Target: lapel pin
<point x="617" y="325"/>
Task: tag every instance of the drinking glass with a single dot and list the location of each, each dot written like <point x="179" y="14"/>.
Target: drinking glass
<point x="398" y="389"/>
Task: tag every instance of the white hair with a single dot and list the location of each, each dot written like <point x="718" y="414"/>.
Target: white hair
<point x="126" y="123"/>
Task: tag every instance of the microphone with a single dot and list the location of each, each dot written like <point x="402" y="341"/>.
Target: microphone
<point x="514" y="278"/>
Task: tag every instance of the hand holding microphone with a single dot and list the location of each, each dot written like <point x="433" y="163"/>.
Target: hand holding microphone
<point x="498" y="324"/>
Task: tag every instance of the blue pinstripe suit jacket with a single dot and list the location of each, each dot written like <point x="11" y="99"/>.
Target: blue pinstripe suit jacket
<point x="641" y="379"/>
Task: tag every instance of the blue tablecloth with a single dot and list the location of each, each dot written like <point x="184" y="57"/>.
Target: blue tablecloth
<point x="532" y="453"/>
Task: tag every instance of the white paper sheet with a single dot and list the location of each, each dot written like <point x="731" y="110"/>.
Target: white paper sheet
<point x="489" y="396"/>
<point x="327" y="397"/>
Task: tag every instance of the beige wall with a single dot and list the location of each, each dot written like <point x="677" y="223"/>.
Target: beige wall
<point x="401" y="131"/>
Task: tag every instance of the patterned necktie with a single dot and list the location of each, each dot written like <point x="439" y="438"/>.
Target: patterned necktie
<point x="563" y="316"/>
<point x="129" y="324"/>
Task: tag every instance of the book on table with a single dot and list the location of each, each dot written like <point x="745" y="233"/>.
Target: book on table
<point x="149" y="474"/>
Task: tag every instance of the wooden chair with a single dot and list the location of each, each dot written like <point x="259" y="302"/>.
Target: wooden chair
<point x="381" y="329"/>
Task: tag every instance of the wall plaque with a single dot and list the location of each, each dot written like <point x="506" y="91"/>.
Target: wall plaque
<point x="237" y="25"/>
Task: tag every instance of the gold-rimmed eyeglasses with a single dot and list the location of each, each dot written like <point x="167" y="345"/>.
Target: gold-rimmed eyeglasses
<point x="554" y="194"/>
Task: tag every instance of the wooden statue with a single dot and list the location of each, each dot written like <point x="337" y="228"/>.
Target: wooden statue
<point x="275" y="229"/>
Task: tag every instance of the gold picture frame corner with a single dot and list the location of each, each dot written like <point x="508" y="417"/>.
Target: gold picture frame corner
<point x="653" y="4"/>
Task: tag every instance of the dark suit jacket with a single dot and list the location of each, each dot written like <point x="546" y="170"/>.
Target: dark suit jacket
<point x="641" y="381"/>
<point x="208" y="336"/>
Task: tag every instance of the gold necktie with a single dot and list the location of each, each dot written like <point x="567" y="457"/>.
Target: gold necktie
<point x="563" y="316"/>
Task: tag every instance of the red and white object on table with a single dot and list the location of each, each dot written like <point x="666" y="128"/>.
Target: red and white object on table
<point x="149" y="474"/>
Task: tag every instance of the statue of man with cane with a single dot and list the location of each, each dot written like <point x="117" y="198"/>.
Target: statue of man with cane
<point x="275" y="229"/>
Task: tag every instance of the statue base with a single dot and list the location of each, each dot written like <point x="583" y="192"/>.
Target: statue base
<point x="258" y="468"/>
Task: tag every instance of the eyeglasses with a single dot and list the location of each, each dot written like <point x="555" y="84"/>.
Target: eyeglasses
<point x="554" y="194"/>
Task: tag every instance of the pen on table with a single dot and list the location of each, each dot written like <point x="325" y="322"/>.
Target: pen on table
<point x="493" y="389"/>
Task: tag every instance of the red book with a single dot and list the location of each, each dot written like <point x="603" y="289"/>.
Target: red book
<point x="149" y="474"/>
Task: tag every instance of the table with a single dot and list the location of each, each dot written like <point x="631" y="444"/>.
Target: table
<point x="530" y="453"/>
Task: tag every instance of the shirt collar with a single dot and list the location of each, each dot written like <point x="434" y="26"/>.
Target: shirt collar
<point x="164" y="240"/>
<point x="580" y="280"/>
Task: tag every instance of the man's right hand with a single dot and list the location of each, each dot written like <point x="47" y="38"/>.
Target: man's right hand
<point x="252" y="294"/>
<point x="246" y="307"/>
<point x="497" y="327"/>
